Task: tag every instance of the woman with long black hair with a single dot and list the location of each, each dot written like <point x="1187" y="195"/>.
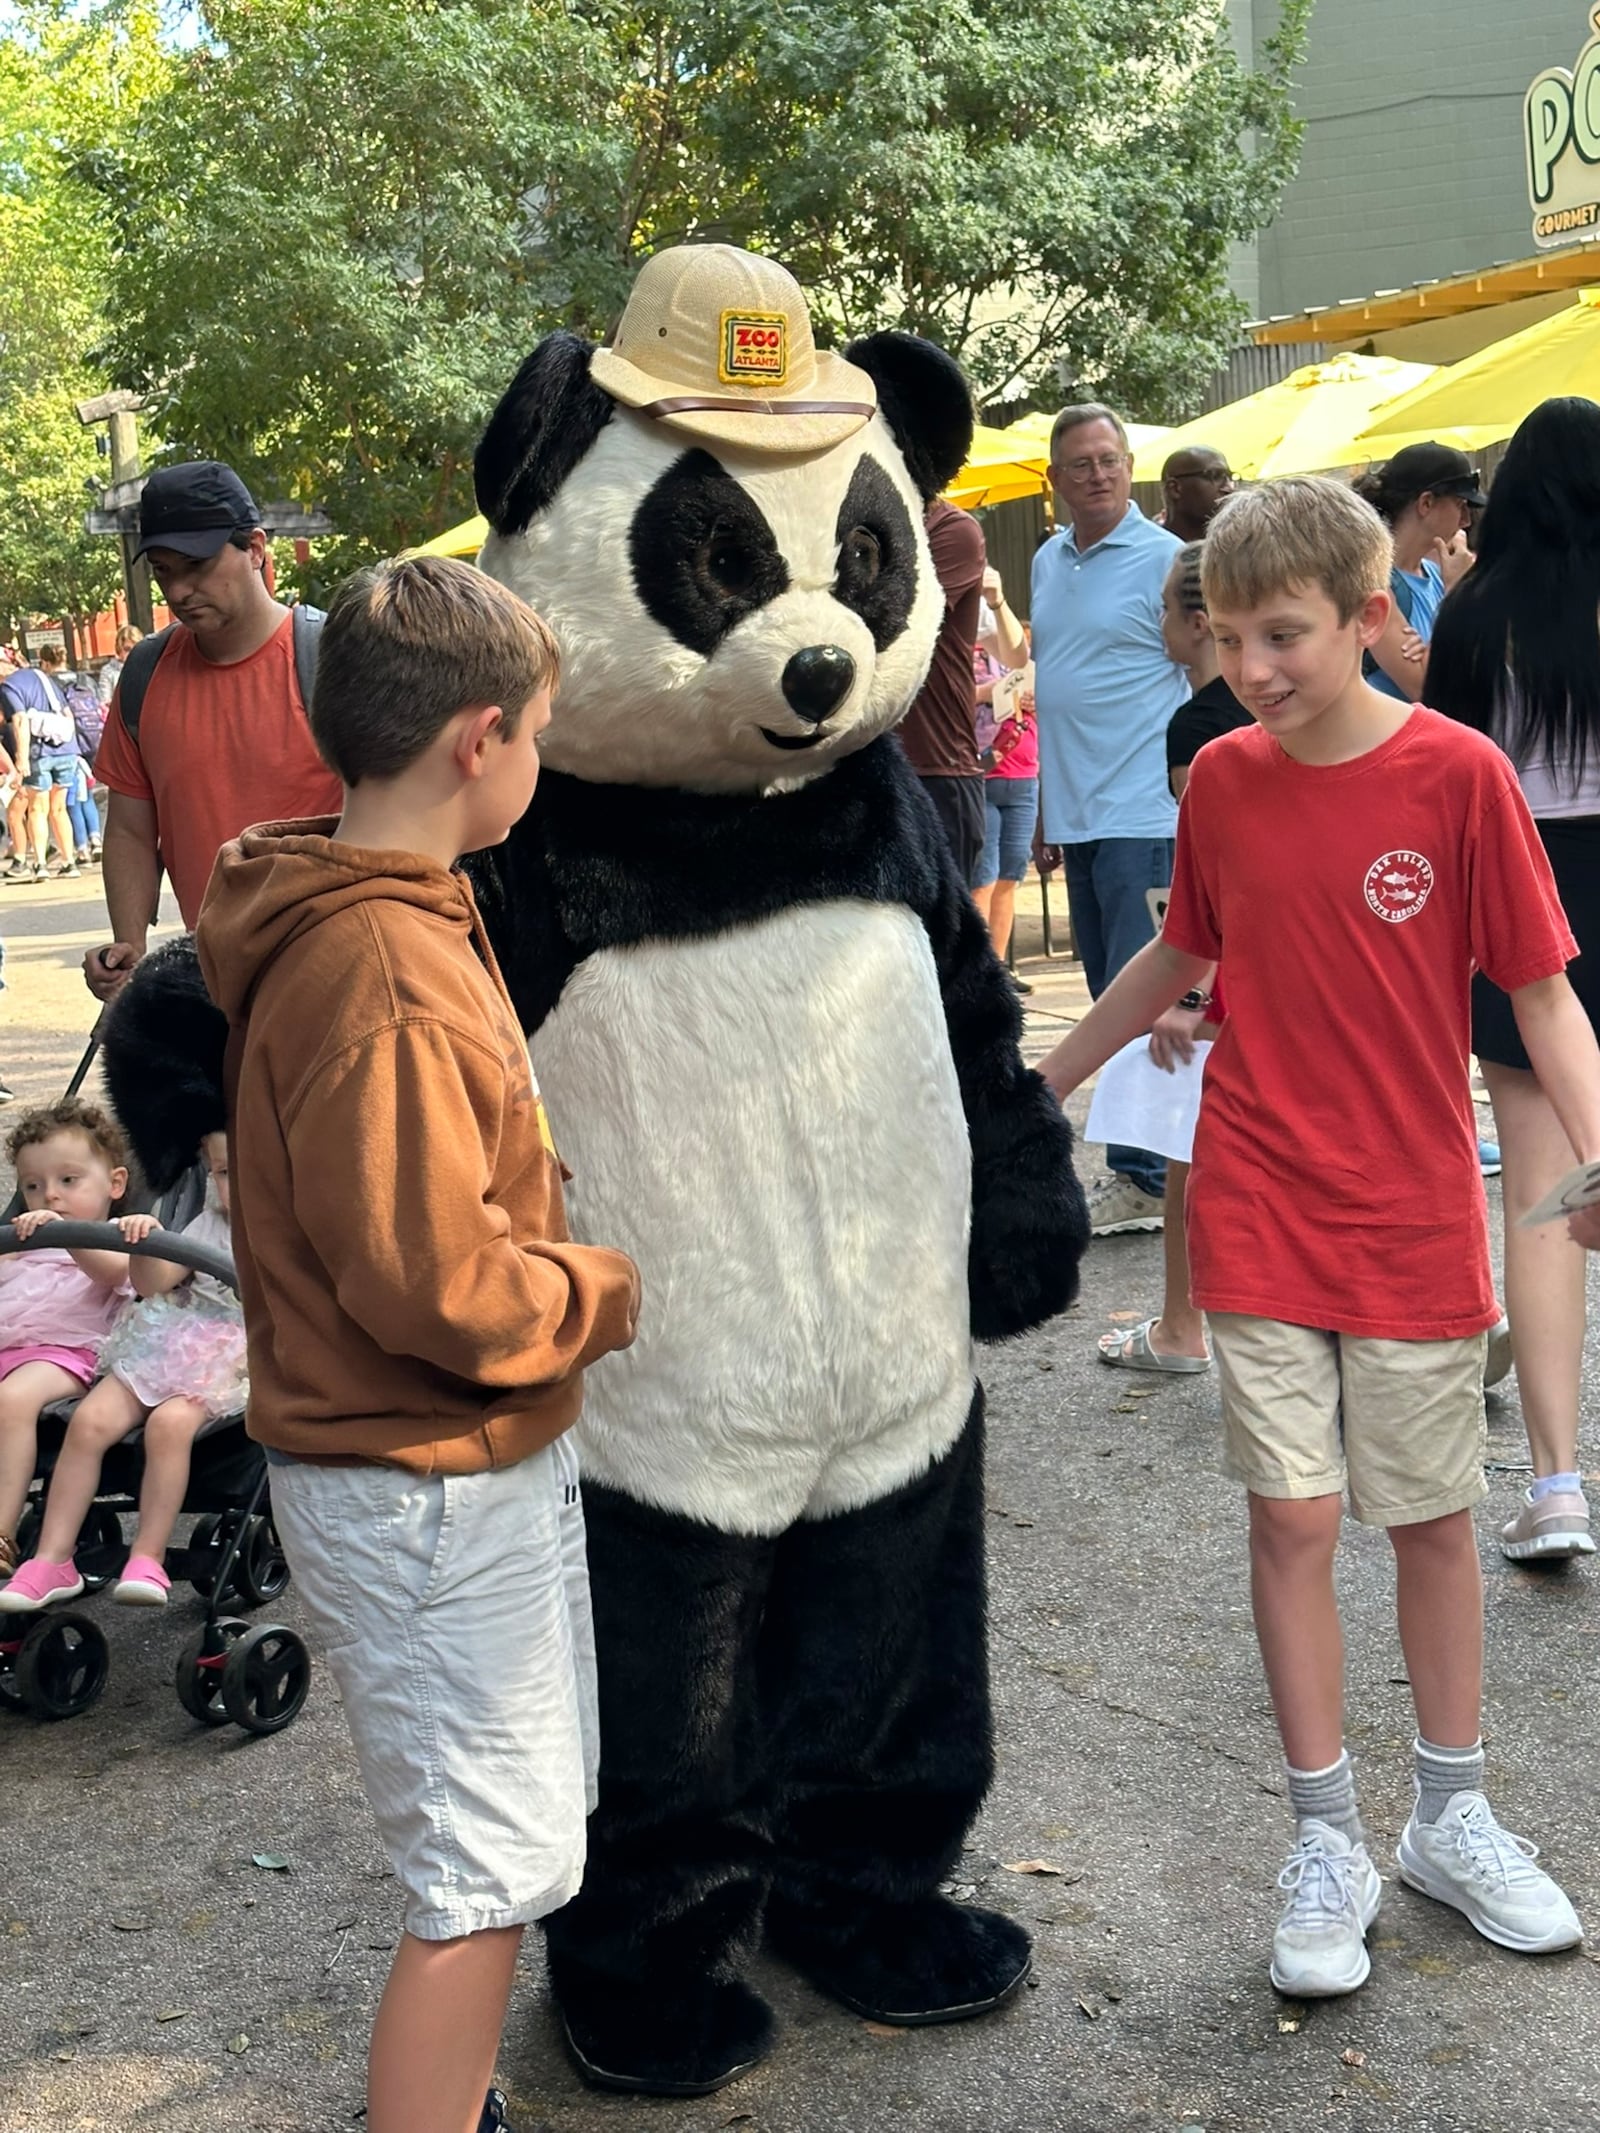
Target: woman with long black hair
<point x="1516" y="653"/>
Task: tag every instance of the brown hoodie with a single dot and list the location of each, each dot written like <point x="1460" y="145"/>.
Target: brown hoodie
<point x="410" y="1292"/>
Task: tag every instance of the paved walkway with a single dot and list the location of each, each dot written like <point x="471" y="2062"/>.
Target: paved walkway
<point x="153" y="1977"/>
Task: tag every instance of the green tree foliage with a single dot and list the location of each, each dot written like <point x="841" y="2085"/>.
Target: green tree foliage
<point x="342" y="226"/>
<point x="67" y="89"/>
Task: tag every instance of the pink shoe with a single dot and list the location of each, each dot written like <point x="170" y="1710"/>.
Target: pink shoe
<point x="142" y="1584"/>
<point x="39" y="1584"/>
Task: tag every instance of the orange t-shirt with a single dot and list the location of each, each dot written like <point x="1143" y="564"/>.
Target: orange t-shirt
<point x="219" y="748"/>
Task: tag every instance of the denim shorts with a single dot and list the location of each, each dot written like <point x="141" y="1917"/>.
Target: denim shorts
<point x="1010" y="809"/>
<point x="47" y="770"/>
<point x="454" y="1612"/>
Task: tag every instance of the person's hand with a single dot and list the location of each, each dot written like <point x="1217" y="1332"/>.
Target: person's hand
<point x="135" y="1228"/>
<point x="1584" y="1228"/>
<point x="1454" y="559"/>
<point x="35" y="1218"/>
<point x="107" y="969"/>
<point x="993" y="589"/>
<point x="1046" y="857"/>
<point x="1172" y="1037"/>
<point x="1024" y="703"/>
<point x="1412" y="647"/>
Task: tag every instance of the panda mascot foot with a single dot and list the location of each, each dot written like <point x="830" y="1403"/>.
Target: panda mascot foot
<point x="687" y="2042"/>
<point x="907" y="1964"/>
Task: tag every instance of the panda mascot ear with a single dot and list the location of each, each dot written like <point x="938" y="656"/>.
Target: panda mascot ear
<point x="924" y="398"/>
<point x="549" y="415"/>
<point x="164" y="1045"/>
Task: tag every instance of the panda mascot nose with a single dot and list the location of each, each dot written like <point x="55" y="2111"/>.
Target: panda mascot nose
<point x="817" y="681"/>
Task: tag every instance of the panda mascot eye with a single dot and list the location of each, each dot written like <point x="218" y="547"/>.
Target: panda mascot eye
<point x="860" y="559"/>
<point x="703" y="554"/>
<point x="726" y="564"/>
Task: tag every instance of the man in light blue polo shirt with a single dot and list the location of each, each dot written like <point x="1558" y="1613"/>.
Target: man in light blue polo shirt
<point x="1105" y="694"/>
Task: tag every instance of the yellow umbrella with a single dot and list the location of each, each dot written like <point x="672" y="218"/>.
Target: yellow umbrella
<point x="465" y="539"/>
<point x="1306" y="422"/>
<point x="1488" y="394"/>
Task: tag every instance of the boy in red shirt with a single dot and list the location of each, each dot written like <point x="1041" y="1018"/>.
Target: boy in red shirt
<point x="1351" y="858"/>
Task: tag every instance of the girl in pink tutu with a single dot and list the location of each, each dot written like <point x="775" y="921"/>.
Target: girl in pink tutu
<point x="175" y="1361"/>
<point x="56" y="1308"/>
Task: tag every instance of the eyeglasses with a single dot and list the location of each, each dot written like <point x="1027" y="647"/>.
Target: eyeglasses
<point x="1106" y="463"/>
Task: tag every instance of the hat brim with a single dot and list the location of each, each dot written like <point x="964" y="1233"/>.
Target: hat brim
<point x="204" y="541"/>
<point x="754" y="418"/>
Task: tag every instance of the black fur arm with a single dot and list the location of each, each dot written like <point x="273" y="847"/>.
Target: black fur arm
<point x="164" y="1046"/>
<point x="1030" y="1224"/>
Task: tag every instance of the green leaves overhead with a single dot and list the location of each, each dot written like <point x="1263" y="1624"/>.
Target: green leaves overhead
<point x="336" y="229"/>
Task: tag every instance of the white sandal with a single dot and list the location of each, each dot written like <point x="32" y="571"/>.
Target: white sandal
<point x="1132" y="1351"/>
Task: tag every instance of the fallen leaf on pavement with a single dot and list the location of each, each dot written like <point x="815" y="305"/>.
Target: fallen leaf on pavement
<point x="238" y="2044"/>
<point x="171" y="2014"/>
<point x="882" y="2029"/>
<point x="130" y="1925"/>
<point x="1351" y="2057"/>
<point x="270" y="1862"/>
<point x="1088" y="2009"/>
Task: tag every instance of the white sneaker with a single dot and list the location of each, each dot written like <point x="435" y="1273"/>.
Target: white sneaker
<point x="1320" y="1947"/>
<point x="1557" y="1525"/>
<point x="1467" y="1860"/>
<point x="1119" y="1206"/>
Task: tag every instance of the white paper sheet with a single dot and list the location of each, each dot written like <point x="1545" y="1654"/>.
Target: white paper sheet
<point x="1137" y="1104"/>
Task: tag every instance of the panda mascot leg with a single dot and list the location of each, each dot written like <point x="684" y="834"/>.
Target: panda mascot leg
<point x="794" y="1725"/>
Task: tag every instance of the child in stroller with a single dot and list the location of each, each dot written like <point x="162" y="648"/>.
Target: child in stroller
<point x="56" y="1308"/>
<point x="175" y="1363"/>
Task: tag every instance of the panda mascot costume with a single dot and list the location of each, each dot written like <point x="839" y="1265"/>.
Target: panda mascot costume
<point x="781" y="1062"/>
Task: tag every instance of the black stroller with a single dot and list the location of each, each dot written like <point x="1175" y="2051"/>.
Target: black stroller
<point x="56" y="1663"/>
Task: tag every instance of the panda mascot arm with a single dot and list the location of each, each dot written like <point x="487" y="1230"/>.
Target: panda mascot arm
<point x="1030" y="1225"/>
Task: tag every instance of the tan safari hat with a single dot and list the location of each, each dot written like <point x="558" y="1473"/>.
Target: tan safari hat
<point x="717" y="343"/>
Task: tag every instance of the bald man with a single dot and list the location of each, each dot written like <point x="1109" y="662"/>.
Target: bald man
<point x="1193" y="483"/>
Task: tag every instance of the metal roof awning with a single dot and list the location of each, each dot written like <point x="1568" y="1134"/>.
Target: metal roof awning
<point x="1356" y="317"/>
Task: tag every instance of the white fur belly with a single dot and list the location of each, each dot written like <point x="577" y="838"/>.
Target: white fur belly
<point x="769" y="1121"/>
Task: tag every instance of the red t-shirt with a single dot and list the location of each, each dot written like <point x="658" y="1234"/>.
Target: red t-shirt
<point x="1335" y="1174"/>
<point x="219" y="748"/>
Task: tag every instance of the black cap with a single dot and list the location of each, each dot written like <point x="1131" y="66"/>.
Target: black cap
<point x="194" y="507"/>
<point x="1434" y="470"/>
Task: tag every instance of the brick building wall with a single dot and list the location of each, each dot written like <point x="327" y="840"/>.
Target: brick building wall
<point x="1412" y="161"/>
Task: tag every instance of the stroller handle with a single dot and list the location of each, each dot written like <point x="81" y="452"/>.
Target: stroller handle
<point x="106" y="1237"/>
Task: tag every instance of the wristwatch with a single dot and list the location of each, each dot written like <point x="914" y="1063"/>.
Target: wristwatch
<point x="1195" y="1000"/>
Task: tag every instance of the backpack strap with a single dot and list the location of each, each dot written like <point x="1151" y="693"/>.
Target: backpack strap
<point x="306" y="623"/>
<point x="134" y="679"/>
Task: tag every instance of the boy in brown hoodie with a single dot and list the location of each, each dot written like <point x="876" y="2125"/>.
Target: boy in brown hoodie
<point x="418" y="1321"/>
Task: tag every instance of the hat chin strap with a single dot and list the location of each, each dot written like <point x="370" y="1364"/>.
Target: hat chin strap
<point x="696" y="404"/>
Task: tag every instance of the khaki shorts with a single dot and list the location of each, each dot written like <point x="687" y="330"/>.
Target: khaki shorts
<point x="1304" y="1413"/>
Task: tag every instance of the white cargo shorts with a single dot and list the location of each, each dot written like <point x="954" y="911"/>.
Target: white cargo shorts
<point x="454" y="1612"/>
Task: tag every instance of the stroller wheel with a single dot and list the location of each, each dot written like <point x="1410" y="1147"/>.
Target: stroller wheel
<point x="265" y="1678"/>
<point x="62" y="1666"/>
<point x="262" y="1570"/>
<point x="198" y="1676"/>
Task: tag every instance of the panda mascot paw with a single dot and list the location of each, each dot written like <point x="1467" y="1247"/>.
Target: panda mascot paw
<point x="163" y="1044"/>
<point x="782" y="1064"/>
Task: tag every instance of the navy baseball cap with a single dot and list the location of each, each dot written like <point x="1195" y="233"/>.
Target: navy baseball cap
<point x="194" y="507"/>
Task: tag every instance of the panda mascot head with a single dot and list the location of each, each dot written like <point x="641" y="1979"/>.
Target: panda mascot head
<point x="740" y="580"/>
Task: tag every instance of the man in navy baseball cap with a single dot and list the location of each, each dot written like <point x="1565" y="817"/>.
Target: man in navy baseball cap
<point x="194" y="509"/>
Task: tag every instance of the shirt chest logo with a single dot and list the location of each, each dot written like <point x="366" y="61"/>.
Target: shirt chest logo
<point x="1398" y="885"/>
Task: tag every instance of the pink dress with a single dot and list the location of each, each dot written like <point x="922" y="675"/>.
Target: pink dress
<point x="51" y="1311"/>
<point x="189" y="1343"/>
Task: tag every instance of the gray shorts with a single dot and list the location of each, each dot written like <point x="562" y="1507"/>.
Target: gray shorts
<point x="455" y="1615"/>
